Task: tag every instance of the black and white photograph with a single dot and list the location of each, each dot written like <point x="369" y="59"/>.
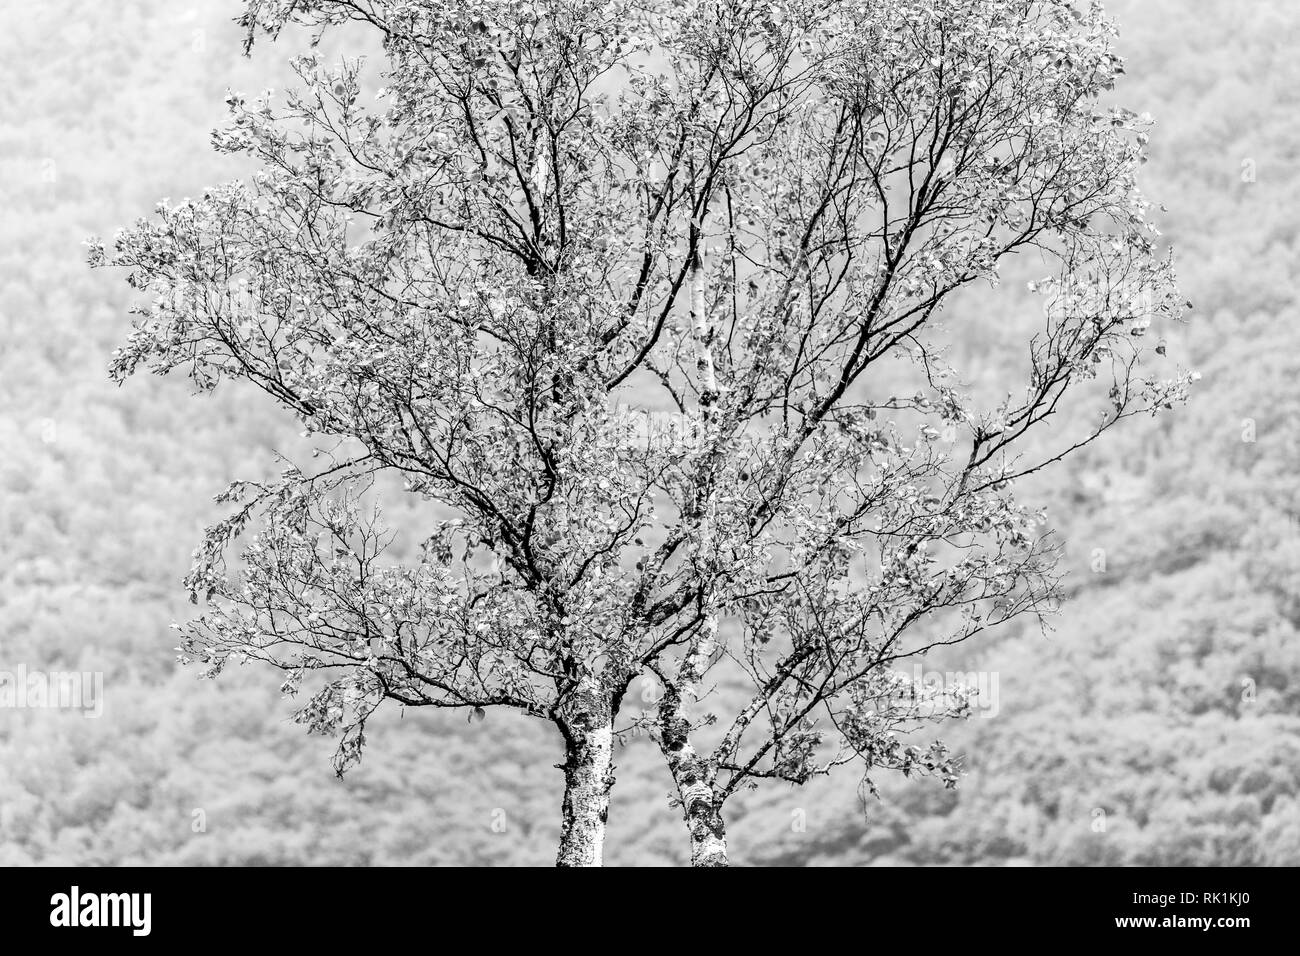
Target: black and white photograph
<point x="651" y="433"/>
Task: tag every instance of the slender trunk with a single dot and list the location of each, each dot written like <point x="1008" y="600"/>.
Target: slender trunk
<point x="700" y="806"/>
<point x="588" y="730"/>
<point x="692" y="774"/>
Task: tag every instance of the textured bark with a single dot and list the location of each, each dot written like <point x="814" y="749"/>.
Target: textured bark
<point x="588" y="729"/>
<point x="691" y="774"/>
<point x="702" y="329"/>
<point x="694" y="785"/>
<point x="708" y="835"/>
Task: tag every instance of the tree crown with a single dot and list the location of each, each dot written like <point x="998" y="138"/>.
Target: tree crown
<point x="647" y="297"/>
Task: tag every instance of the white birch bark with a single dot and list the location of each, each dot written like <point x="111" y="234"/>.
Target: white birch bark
<point x="588" y="729"/>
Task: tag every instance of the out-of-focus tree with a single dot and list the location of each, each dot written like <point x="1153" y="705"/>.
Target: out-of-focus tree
<point x="561" y="216"/>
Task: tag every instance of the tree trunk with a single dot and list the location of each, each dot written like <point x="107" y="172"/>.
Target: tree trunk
<point x="694" y="788"/>
<point x="588" y="729"/>
<point x="708" y="834"/>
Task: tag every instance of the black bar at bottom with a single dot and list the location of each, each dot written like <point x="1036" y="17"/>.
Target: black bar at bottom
<point x="434" y="908"/>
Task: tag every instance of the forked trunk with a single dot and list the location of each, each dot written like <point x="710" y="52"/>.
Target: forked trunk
<point x="699" y="802"/>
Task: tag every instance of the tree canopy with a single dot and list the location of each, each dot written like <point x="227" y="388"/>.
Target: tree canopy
<point x="560" y="214"/>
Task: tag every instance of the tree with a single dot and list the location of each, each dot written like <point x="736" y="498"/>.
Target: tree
<point x="600" y="282"/>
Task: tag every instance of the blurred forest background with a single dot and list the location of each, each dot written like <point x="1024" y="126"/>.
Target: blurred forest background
<point x="1158" y="723"/>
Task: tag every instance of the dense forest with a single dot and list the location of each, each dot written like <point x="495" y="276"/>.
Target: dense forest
<point x="1156" y="722"/>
